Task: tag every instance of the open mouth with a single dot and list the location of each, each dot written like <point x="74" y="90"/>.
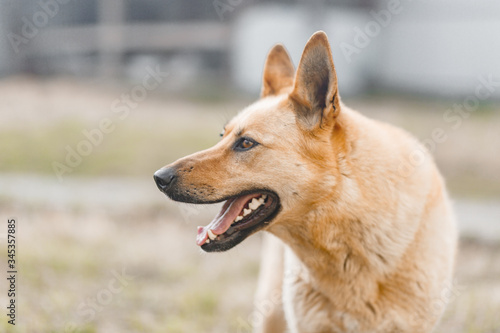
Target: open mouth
<point x="239" y="217"/>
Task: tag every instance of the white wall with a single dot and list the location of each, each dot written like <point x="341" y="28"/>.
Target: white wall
<point x="441" y="47"/>
<point x="433" y="47"/>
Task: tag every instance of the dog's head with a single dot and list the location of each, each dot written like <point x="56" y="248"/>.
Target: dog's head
<point x="276" y="158"/>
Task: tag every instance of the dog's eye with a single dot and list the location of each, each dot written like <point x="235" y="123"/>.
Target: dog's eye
<point x="244" y="144"/>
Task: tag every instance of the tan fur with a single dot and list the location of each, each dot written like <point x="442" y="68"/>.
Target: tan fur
<point x="360" y="245"/>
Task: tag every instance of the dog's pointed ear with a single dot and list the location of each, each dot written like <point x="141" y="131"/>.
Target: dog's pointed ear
<point x="315" y="91"/>
<point x="278" y="71"/>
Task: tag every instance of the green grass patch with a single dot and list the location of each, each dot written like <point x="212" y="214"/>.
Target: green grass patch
<point x="128" y="150"/>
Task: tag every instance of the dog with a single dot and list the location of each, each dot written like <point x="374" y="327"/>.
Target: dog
<point x="360" y="233"/>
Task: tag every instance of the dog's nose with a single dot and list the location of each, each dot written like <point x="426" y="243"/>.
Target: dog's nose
<point x="164" y="178"/>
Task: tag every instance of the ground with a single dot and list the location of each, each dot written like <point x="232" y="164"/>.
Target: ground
<point x="68" y="258"/>
<point x="100" y="249"/>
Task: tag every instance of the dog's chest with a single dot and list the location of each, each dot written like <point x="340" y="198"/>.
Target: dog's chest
<point x="306" y="309"/>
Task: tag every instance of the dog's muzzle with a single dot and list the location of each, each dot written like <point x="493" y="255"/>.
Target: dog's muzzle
<point x="164" y="178"/>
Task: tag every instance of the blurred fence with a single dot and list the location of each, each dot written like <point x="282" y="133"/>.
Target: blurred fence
<point x="425" y="47"/>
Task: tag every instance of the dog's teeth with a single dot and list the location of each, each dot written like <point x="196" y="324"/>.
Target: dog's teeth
<point x="264" y="196"/>
<point x="211" y="235"/>
<point x="254" y="204"/>
<point x="261" y="200"/>
<point x="246" y="211"/>
<point x="207" y="241"/>
<point x="239" y="218"/>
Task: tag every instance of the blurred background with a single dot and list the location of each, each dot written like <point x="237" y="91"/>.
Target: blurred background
<point x="96" y="95"/>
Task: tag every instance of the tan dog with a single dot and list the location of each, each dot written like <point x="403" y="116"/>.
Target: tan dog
<point x="363" y="243"/>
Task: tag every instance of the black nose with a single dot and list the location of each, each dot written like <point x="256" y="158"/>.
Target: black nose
<point x="164" y="178"/>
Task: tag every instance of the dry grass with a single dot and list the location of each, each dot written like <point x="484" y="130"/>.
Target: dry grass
<point x="67" y="260"/>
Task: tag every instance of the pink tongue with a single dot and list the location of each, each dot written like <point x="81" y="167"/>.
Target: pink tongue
<point x="225" y="218"/>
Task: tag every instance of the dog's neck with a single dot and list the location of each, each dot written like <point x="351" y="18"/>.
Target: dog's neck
<point x="334" y="232"/>
<point x="348" y="260"/>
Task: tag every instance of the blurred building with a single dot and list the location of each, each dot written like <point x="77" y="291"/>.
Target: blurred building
<point x="432" y="47"/>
